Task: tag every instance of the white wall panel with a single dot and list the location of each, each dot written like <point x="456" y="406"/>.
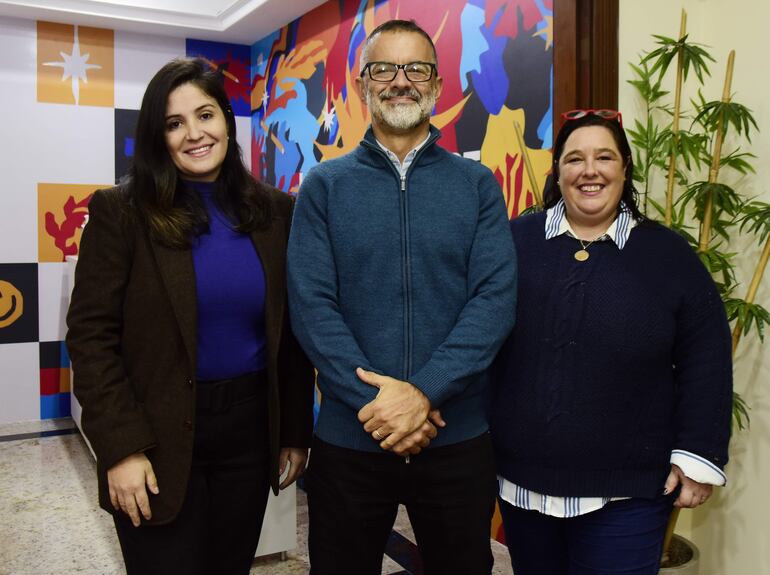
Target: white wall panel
<point x="243" y="129"/>
<point x="53" y="297"/>
<point x="18" y="223"/>
<point x="75" y="145"/>
<point x="19" y="382"/>
<point x="137" y="58"/>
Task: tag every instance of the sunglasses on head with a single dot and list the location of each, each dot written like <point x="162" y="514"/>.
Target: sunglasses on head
<point x="605" y="114"/>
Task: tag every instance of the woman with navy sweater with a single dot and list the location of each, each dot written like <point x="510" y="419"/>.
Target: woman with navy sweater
<point x="195" y="395"/>
<point x="612" y="395"/>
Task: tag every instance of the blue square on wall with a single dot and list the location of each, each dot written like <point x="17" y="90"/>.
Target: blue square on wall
<point x="125" y="126"/>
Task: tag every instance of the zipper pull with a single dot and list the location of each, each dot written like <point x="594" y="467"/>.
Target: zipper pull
<point x="403" y="189"/>
<point x="407" y="458"/>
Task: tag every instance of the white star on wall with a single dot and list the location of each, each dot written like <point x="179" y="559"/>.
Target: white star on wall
<point x="328" y="118"/>
<point x="265" y="100"/>
<point x="74" y="66"/>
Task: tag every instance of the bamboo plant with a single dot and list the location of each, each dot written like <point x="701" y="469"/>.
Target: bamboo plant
<point x="709" y="212"/>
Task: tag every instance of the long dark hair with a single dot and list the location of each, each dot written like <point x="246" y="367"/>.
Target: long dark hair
<point x="174" y="213"/>
<point x="629" y="196"/>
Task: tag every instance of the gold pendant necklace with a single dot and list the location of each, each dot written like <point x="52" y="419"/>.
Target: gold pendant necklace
<point x="582" y="254"/>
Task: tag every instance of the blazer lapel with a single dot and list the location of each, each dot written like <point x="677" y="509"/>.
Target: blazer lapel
<point x="178" y="274"/>
<point x="271" y="247"/>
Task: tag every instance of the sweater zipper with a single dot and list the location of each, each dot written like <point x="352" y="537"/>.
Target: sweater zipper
<point x="405" y="270"/>
<point x="405" y="267"/>
<point x="408" y="269"/>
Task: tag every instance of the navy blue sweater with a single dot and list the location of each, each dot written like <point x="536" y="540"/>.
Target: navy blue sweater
<point x="413" y="279"/>
<point x="613" y="363"/>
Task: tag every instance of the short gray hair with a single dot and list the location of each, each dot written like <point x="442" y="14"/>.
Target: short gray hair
<point x="395" y="26"/>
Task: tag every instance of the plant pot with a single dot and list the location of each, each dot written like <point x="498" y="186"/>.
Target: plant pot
<point x="685" y="556"/>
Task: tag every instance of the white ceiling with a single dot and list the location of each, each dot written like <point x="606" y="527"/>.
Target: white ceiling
<point x="237" y="21"/>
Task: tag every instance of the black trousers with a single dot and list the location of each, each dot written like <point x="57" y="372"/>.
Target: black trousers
<point x="217" y="530"/>
<point x="353" y="497"/>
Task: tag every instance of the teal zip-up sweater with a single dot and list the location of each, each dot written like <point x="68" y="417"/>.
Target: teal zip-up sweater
<point x="415" y="279"/>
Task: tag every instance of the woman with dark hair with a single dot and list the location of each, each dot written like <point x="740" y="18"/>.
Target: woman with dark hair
<point x="612" y="395"/>
<point x="195" y="395"/>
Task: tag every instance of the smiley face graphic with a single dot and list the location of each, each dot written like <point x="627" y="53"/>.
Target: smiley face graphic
<point x="11" y="304"/>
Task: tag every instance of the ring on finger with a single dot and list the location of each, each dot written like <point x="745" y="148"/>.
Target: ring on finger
<point x="377" y="435"/>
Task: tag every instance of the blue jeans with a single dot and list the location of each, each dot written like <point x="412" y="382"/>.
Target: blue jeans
<point x="622" y="537"/>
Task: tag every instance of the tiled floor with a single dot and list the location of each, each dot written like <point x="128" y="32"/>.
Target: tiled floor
<point x="52" y="525"/>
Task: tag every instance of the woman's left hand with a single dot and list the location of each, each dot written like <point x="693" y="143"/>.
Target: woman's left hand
<point x="296" y="458"/>
<point x="692" y="493"/>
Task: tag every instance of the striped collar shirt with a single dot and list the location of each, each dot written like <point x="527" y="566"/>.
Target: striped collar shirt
<point x="556" y="224"/>
<point x="561" y="507"/>
<point x="402" y="167"/>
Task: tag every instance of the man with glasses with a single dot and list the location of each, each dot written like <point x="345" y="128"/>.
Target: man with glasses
<point x="402" y="287"/>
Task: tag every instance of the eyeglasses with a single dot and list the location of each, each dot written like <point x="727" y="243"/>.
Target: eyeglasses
<point x="605" y="114"/>
<point x="387" y="72"/>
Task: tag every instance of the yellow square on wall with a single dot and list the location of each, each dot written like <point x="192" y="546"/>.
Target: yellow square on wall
<point x="75" y="65"/>
<point x="62" y="212"/>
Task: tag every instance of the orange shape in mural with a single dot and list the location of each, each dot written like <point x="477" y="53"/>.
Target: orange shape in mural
<point x="75" y="65"/>
<point x="62" y="211"/>
<point x="501" y="153"/>
<point x="353" y="119"/>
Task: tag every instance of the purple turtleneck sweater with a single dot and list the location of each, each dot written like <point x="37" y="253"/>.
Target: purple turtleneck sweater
<point x="230" y="288"/>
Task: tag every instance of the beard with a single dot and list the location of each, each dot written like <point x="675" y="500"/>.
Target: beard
<point x="401" y="117"/>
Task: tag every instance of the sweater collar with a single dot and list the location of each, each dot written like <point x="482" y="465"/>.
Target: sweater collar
<point x="402" y="167"/>
<point x="556" y="224"/>
<point x="371" y="143"/>
<point x="205" y="189"/>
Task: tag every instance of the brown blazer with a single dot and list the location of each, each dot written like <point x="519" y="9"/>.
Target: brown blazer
<point x="132" y="342"/>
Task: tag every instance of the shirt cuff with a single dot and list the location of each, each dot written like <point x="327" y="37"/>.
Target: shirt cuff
<point x="697" y="468"/>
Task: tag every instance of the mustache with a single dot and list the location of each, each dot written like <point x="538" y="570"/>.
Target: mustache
<point x="395" y="93"/>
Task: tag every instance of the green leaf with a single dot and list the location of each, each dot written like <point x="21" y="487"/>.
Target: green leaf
<point x="692" y="147"/>
<point x="693" y="56"/>
<point x="730" y="113"/>
<point x="724" y="198"/>
<point x="733" y="306"/>
<point x="756" y="219"/>
<point x="740" y="413"/>
<point x="737" y="161"/>
<point x="719" y="264"/>
<point x="658" y="207"/>
<point x="533" y="209"/>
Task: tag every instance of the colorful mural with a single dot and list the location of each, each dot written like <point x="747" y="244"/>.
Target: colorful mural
<point x="495" y="57"/>
<point x="233" y="62"/>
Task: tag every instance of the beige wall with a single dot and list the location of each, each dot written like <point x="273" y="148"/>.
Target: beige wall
<point x="733" y="530"/>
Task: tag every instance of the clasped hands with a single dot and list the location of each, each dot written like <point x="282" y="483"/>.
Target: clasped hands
<point x="400" y="417"/>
